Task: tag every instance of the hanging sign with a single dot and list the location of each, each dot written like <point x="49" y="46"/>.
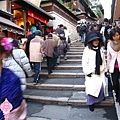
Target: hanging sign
<point x="38" y="17"/>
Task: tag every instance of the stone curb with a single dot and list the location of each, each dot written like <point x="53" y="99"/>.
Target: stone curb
<point x="76" y="47"/>
<point x="68" y="67"/>
<point x="62" y="75"/>
<point x="65" y="101"/>
<point x="54" y="86"/>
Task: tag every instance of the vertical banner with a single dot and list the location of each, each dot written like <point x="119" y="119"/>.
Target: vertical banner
<point x="35" y="2"/>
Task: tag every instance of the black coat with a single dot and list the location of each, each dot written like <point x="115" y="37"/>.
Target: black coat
<point x="30" y="37"/>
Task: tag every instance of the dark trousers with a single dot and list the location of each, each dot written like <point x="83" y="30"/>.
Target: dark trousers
<point x="49" y="64"/>
<point x="54" y="62"/>
<point x="115" y="80"/>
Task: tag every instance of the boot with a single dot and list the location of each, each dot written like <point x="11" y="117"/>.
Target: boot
<point x="91" y="108"/>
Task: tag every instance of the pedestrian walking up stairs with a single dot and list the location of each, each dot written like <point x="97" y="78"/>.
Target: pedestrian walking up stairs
<point x="65" y="86"/>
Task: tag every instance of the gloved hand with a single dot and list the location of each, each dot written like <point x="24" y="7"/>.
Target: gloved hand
<point x="89" y="75"/>
<point x="107" y="74"/>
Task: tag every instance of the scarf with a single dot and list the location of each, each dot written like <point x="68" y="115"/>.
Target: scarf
<point x="115" y="45"/>
<point x="98" y="60"/>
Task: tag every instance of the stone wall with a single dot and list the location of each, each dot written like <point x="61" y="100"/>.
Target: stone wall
<point x="70" y="26"/>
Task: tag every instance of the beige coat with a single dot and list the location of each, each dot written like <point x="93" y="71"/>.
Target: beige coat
<point x="36" y="49"/>
<point x="57" y="39"/>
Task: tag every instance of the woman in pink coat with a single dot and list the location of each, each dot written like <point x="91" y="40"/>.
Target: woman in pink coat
<point x="113" y="60"/>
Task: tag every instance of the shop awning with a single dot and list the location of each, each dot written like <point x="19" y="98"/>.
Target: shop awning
<point x="31" y="7"/>
<point x="8" y="25"/>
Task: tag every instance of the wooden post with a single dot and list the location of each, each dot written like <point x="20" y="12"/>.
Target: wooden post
<point x="25" y="18"/>
<point x="8" y="2"/>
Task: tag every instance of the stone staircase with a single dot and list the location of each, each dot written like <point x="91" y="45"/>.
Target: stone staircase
<point x="65" y="86"/>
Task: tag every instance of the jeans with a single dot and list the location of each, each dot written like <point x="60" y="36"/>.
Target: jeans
<point x="54" y="62"/>
<point x="37" y="71"/>
<point x="83" y="37"/>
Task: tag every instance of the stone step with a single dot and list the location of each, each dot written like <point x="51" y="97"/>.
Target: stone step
<point x="55" y="86"/>
<point x="63" y="70"/>
<point x="59" y="81"/>
<point x="78" y="61"/>
<point x="65" y="67"/>
<point x="62" y="61"/>
<point x="62" y="75"/>
<point x="74" y="53"/>
<point x="73" y="56"/>
<point x="73" y="98"/>
<point x="76" y="47"/>
<point x="75" y="50"/>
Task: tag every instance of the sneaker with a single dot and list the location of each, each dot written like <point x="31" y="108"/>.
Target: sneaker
<point x="50" y="72"/>
<point x="65" y="59"/>
<point x="35" y="83"/>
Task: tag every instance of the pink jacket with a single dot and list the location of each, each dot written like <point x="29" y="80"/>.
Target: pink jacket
<point x="111" y="58"/>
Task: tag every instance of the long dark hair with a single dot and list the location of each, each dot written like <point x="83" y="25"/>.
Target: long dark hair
<point x="114" y="31"/>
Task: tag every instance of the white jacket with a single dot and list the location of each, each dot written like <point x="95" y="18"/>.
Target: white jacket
<point x="22" y="59"/>
<point x="93" y="84"/>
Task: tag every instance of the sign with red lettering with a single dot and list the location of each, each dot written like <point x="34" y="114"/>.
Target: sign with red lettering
<point x="38" y="17"/>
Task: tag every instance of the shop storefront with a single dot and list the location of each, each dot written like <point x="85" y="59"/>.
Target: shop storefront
<point x="26" y="15"/>
<point x="7" y="26"/>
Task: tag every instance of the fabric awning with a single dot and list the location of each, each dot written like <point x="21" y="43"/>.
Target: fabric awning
<point x="8" y="25"/>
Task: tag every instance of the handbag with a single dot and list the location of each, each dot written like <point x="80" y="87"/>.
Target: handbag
<point x="19" y="65"/>
<point x="69" y="40"/>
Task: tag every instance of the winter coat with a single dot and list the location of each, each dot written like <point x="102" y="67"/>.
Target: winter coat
<point x="93" y="84"/>
<point x="57" y="39"/>
<point x="60" y="31"/>
<point x="36" y="49"/>
<point x="50" y="45"/>
<point x="22" y="59"/>
<point x="111" y="58"/>
<point x="30" y="37"/>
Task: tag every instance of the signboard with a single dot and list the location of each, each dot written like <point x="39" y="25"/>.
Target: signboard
<point x="35" y="2"/>
<point x="38" y="17"/>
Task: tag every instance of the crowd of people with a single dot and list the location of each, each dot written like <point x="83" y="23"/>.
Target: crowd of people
<point x="17" y="64"/>
<point x="51" y="48"/>
<point x="99" y="71"/>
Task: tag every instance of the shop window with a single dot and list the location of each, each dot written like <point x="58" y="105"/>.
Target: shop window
<point x="18" y="17"/>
